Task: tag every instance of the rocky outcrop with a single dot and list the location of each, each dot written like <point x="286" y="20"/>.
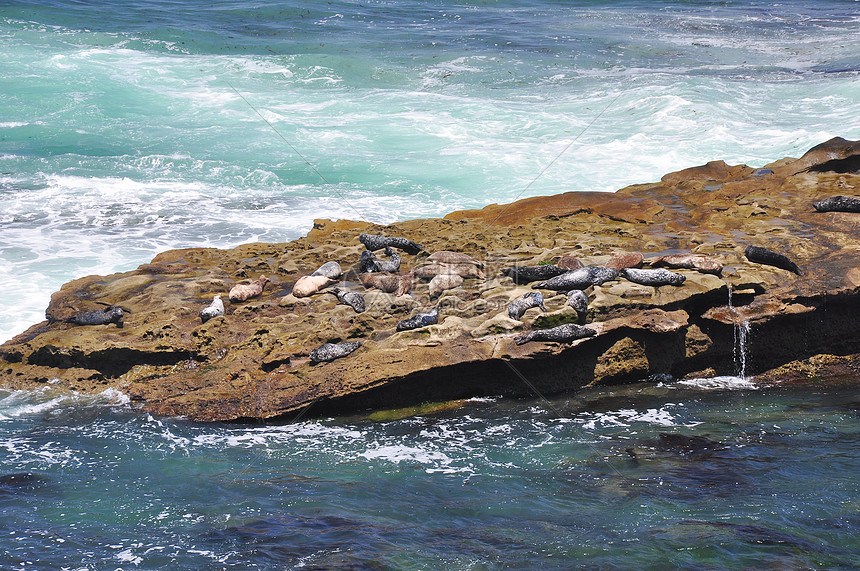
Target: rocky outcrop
<point x="254" y="362"/>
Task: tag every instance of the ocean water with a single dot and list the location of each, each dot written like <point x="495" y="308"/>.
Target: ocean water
<point x="129" y="130"/>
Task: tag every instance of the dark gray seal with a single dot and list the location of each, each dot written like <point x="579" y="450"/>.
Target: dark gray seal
<point x="518" y="307"/>
<point x="332" y="351"/>
<point x="579" y="302"/>
<point x="528" y="274"/>
<point x="369" y="263"/>
<point x="112" y="314"/>
<point x="579" y="279"/>
<point x="214" y="309"/>
<point x="838" y="204"/>
<point x="331" y="270"/>
<point x="419" y="320"/>
<point x="561" y="334"/>
<point x="656" y="278"/>
<point x="761" y="255"/>
<point x="351" y="298"/>
<point x="375" y="242"/>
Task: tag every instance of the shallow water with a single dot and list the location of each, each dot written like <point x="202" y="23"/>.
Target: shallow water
<point x="128" y="130"/>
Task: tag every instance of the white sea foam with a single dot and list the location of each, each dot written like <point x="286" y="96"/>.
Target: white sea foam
<point x="719" y="383"/>
<point x="434" y="461"/>
<point x="627" y="417"/>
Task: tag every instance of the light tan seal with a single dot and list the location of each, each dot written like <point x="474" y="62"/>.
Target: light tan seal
<point x="309" y="285"/>
<point x="242" y="292"/>
<point x="444" y="282"/>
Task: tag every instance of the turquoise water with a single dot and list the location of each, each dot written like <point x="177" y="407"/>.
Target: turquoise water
<point x="769" y="480"/>
<point x="129" y="130"/>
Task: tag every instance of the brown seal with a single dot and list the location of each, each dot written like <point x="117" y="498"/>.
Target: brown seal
<point x="569" y="262"/>
<point x="699" y="262"/>
<point x="387" y="282"/>
<point x="624" y="260"/>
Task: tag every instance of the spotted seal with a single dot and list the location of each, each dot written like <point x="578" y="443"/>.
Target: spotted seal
<point x="242" y="292"/>
<point x="331" y="351"/>
<point x="838" y="204"/>
<point x="579" y="279"/>
<point x="351" y="298"/>
<point x="561" y="334"/>
<point x="528" y="274"/>
<point x="761" y="255"/>
<point x="419" y="320"/>
<point x="369" y="263"/>
<point x="518" y="307"/>
<point x="579" y="302"/>
<point x="376" y="242"/>
<point x="658" y="277"/>
<point x="214" y="309"/>
<point x="112" y="314"/>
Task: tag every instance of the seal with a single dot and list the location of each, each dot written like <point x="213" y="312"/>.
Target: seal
<point x="112" y="314"/>
<point x="351" y="298"/>
<point x="432" y="269"/>
<point x="419" y="320"/>
<point x="761" y="255"/>
<point x="699" y="262"/>
<point x="331" y="351"/>
<point x="561" y="334"/>
<point x="376" y="242"/>
<point x="518" y="307"/>
<point x="838" y="204"/>
<point x="214" y="309"/>
<point x="387" y="282"/>
<point x="449" y="257"/>
<point x="568" y="262"/>
<point x="444" y="282"/>
<point x="656" y="278"/>
<point x="579" y="279"/>
<point x="309" y="285"/>
<point x="527" y="274"/>
<point x="330" y="270"/>
<point x="369" y="263"/>
<point x="579" y="302"/>
<point x="242" y="292"/>
<point x="623" y="260"/>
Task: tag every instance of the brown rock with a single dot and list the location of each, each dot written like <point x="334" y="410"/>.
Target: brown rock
<point x="254" y="362"/>
<point x="623" y="260"/>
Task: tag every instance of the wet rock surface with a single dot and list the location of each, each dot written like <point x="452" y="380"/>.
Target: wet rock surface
<point x="254" y="362"/>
